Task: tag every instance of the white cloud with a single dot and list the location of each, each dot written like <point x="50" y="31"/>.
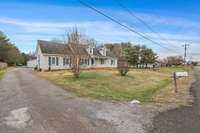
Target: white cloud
<point x="44" y="24"/>
<point x="168" y="21"/>
<point x="156" y="20"/>
<point x="103" y="31"/>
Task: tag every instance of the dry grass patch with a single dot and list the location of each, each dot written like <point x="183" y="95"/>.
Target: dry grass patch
<point x="143" y="85"/>
<point x="182" y="98"/>
<point x="2" y="72"/>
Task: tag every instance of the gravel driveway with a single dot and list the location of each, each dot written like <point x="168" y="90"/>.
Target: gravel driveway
<point x="181" y="120"/>
<point x="29" y="104"/>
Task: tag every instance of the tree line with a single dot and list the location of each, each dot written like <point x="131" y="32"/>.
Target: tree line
<point x="9" y="53"/>
<point x="140" y="55"/>
<point x="130" y="55"/>
<point x="172" y="61"/>
<point x="136" y="55"/>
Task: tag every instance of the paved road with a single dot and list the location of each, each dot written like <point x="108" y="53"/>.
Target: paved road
<point x="29" y="104"/>
<point x="181" y="120"/>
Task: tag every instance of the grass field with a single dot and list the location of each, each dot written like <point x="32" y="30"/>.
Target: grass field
<point x="143" y="85"/>
<point x="2" y="72"/>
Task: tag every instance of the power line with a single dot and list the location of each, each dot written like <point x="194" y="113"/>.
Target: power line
<point x="124" y="26"/>
<point x="141" y="20"/>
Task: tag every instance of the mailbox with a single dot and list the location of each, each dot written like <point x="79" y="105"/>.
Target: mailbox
<point x="181" y="74"/>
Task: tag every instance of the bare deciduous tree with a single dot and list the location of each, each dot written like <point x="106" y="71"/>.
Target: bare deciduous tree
<point x="77" y="53"/>
<point x="172" y="61"/>
<point x="175" y="60"/>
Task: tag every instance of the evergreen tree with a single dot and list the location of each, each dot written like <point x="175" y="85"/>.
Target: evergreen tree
<point x="8" y="52"/>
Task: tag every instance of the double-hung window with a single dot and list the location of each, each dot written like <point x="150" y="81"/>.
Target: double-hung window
<point x="53" y="60"/>
<point x="65" y="61"/>
<point x="57" y="61"/>
<point x="112" y="62"/>
<point x="102" y="61"/>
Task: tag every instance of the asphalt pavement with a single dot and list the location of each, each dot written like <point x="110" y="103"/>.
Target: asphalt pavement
<point x="184" y="119"/>
<point x="29" y="104"/>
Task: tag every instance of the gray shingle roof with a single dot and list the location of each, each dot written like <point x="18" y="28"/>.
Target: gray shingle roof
<point x="110" y="54"/>
<point x="48" y="47"/>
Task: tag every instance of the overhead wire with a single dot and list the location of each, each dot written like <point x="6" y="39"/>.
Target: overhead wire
<point x="141" y="20"/>
<point x="122" y="25"/>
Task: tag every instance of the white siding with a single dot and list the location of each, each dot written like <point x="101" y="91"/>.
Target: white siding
<point x="43" y="62"/>
<point x="60" y="62"/>
<point x="31" y="63"/>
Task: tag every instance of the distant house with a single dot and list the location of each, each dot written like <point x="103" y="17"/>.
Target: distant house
<point x="3" y="65"/>
<point x="55" y="56"/>
<point x="32" y="63"/>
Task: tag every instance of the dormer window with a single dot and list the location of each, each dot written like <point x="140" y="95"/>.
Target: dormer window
<point x="103" y="51"/>
<point x="91" y="50"/>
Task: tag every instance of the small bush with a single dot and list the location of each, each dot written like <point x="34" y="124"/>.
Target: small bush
<point x="35" y="68"/>
<point x="123" y="71"/>
<point x="123" y="66"/>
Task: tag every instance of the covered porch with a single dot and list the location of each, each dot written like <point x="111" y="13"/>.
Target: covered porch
<point x="96" y="62"/>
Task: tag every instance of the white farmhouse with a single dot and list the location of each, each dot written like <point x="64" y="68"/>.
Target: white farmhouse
<point x="55" y="56"/>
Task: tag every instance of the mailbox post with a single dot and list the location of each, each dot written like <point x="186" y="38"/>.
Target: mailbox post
<point x="177" y="75"/>
<point x="175" y="82"/>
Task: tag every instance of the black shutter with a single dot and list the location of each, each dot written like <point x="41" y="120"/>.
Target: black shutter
<point x="49" y="61"/>
<point x="57" y="61"/>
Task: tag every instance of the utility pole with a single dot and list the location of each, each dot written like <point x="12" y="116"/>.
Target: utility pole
<point x="185" y="54"/>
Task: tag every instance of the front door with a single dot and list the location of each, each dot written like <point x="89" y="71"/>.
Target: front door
<point x="92" y="61"/>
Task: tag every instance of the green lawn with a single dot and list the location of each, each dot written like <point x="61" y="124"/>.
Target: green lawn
<point x="2" y="72"/>
<point x="139" y="84"/>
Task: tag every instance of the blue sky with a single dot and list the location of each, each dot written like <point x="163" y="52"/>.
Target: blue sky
<point x="24" y="22"/>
